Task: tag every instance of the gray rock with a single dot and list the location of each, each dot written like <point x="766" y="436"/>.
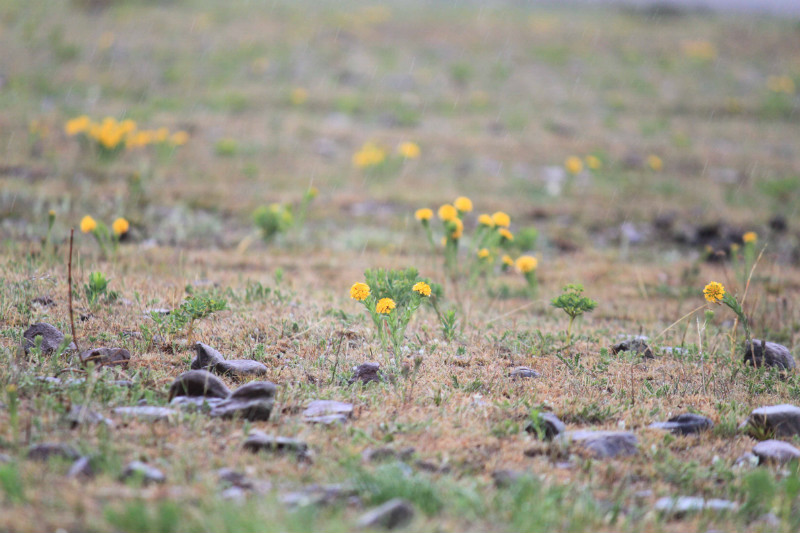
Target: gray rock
<point x="234" y="478"/>
<point x="506" y="478"/>
<point x="237" y="494"/>
<point x="392" y="514"/>
<point x="366" y="373"/>
<point x="317" y="495"/>
<point x="746" y="460"/>
<point x="47" y="450"/>
<point x="198" y="383"/>
<point x="5" y="458"/>
<point x="326" y="420"/>
<point x="78" y="414"/>
<point x="106" y="356"/>
<point x="683" y="505"/>
<point x="327" y="412"/>
<point x="259" y="441"/>
<point x="685" y="424"/>
<point x="775" y="451"/>
<point x="549" y="423"/>
<point x="82" y="468"/>
<point x="208" y="358"/>
<point x="143" y="471"/>
<point x="150" y="413"/>
<point x="523" y="372"/>
<point x="51" y="338"/>
<point x="376" y="455"/>
<point x="636" y="345"/>
<point x="768" y="354"/>
<point x="253" y="401"/>
<point x="776" y="420"/>
<point x="193" y="403"/>
<point x="605" y="444"/>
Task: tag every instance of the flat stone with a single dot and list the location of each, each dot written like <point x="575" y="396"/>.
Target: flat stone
<point x="150" y="413"/>
<point x="47" y="450"/>
<point x="522" y="372"/>
<point x="317" y="495"/>
<point x="549" y="423"/>
<point x="106" y="356"/>
<point x="234" y="478"/>
<point x="683" y="505"/>
<point x="82" y="468"/>
<point x="51" y="338"/>
<point x="776" y="420"/>
<point x="366" y="373"/>
<point x="326" y="420"/>
<point x="208" y="358"/>
<point x="376" y="455"/>
<point x="148" y="474"/>
<point x="259" y="441"/>
<point x="198" y="383"/>
<point x="253" y="401"/>
<point x="193" y="403"/>
<point x="685" y="424"/>
<point x="322" y="408"/>
<point x="392" y="514"/>
<point x="636" y="345"/>
<point x="775" y="451"/>
<point x="768" y="354"/>
<point x="79" y="415"/>
<point x="605" y="444"/>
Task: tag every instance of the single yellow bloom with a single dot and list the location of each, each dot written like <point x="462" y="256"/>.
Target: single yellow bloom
<point x="507" y="235"/>
<point x="77" y="125"/>
<point x="422" y="288"/>
<point x="409" y="150"/>
<point x="299" y="96"/>
<point x="486" y="220"/>
<point x="359" y="291"/>
<point x="573" y="164"/>
<point x="88" y="224"/>
<point x="507" y="261"/>
<point x="501" y="219"/>
<point x="369" y="155"/>
<point x="526" y="263"/>
<point x="458" y="231"/>
<point x="750" y="236"/>
<point x="463" y="204"/>
<point x="655" y="162"/>
<point x="447" y="213"/>
<point x="424" y="214"/>
<point x="483" y="253"/>
<point x="11" y="388"/>
<point x="161" y="135"/>
<point x="120" y="226"/>
<point x="179" y="138"/>
<point x="714" y="292"/>
<point x="593" y="162"/>
<point x="385" y="306"/>
<point x="127" y="125"/>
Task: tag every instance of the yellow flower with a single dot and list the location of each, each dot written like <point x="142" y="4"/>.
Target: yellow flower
<point x="463" y="204"/>
<point x="120" y="226"/>
<point x="447" y="213"/>
<point x="369" y="155"/>
<point x="486" y="220"/>
<point x="11" y="388"/>
<point x="179" y="138"/>
<point x="422" y="288"/>
<point x="161" y="135"/>
<point x="77" y="125"/>
<point x="385" y="306"/>
<point x="299" y="96"/>
<point x="313" y="192"/>
<point x="409" y="150"/>
<point x="507" y="261"/>
<point x="359" y="291"/>
<point x="88" y="224"/>
<point x="501" y="219"/>
<point x="127" y="125"/>
<point x="526" y="263"/>
<point x="505" y="234"/>
<point x="458" y="229"/>
<point x="573" y="164"/>
<point x="483" y="253"/>
<point x="714" y="292"/>
<point x="424" y="214"/>
<point x="750" y="236"/>
<point x="593" y="162"/>
<point x="655" y="163"/>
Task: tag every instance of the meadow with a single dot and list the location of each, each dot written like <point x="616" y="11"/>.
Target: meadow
<point x="311" y="186"/>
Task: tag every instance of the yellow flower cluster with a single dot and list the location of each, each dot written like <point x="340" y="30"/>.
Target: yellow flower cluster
<point x="120" y="226"/>
<point x="750" y="236"/>
<point x="359" y="291"/>
<point x="369" y="155"/>
<point x="409" y="150"/>
<point x="501" y="219"/>
<point x="573" y="165"/>
<point x="422" y="288"/>
<point x="385" y="306"/>
<point x="448" y="213"/>
<point x="526" y="263"/>
<point x="714" y="292"/>
<point x="655" y="163"/>
<point x="424" y="214"/>
<point x="111" y="134"/>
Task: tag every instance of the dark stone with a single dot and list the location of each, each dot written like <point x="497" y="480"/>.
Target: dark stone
<point x="685" y="424"/>
<point x="44" y="301"/>
<point x="768" y="354"/>
<point x="198" y="383"/>
<point x="78" y="415"/>
<point x="143" y="471"/>
<point x="193" y="403"/>
<point x="325" y="408"/>
<point x="392" y="514"/>
<point x="684" y="505"/>
<point x="234" y="478"/>
<point x="605" y="444"/>
<point x="775" y="420"/>
<point x="51" y="338"/>
<point x="778" y="224"/>
<point x="47" y="450"/>
<point x="775" y="452"/>
<point x="636" y="345"/>
<point x="506" y="478"/>
<point x="366" y="372"/>
<point x="150" y="413"/>
<point x="82" y="468"/>
<point x="377" y="455"/>
<point x="549" y="423"/>
<point x="523" y="372"/>
<point x="106" y="356"/>
<point x="252" y="401"/>
<point x="210" y="359"/>
<point x="259" y="441"/>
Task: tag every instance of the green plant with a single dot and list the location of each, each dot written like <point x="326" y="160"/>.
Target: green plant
<point x="573" y="303"/>
<point x="194" y="307"/>
<point x="97" y="288"/>
<point x="11" y="482"/>
<point x="273" y="220"/>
